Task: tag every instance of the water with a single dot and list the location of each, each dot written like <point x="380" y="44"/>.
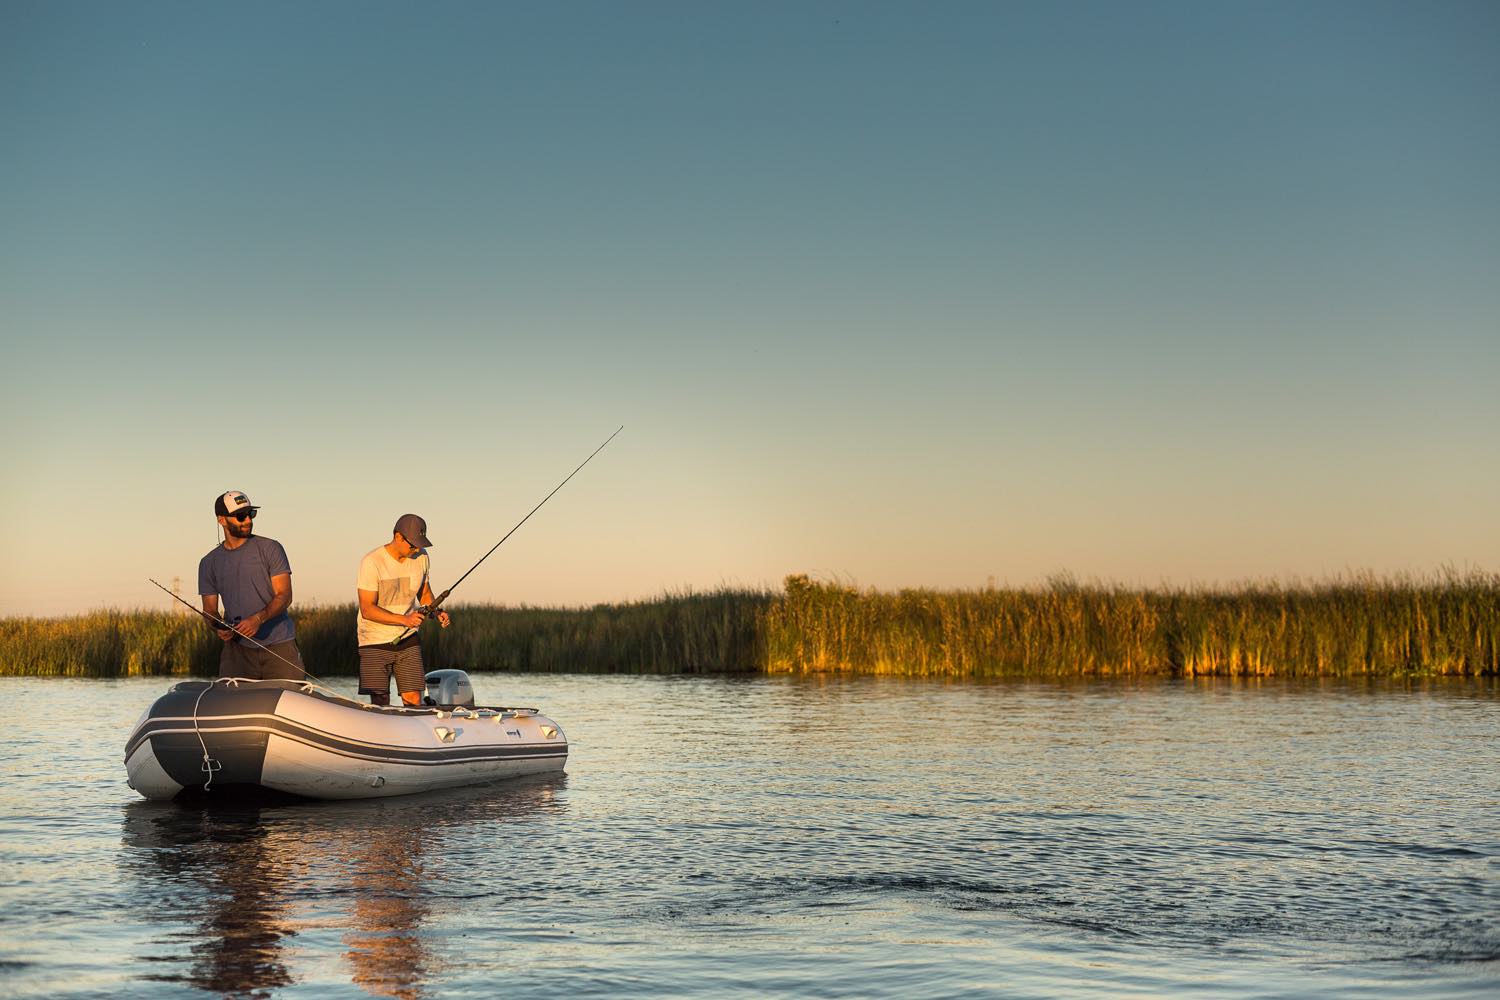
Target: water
<point x="811" y="838"/>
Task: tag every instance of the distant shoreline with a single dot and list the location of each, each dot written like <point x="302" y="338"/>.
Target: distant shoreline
<point x="1448" y="626"/>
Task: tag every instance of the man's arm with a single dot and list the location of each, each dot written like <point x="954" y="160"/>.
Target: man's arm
<point x="371" y="611"/>
<point x="425" y="598"/>
<point x="211" y="607"/>
<point x="281" y="599"/>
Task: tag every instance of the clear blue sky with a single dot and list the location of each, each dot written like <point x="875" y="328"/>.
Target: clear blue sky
<point x="908" y="294"/>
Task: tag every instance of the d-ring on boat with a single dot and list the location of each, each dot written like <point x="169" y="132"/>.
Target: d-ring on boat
<point x="235" y="735"/>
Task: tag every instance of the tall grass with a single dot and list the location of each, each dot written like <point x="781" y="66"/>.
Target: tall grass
<point x="107" y="644"/>
<point x="1448" y="625"/>
<point x="1366" y="626"/>
<point x="716" y="632"/>
<point x="676" y="633"/>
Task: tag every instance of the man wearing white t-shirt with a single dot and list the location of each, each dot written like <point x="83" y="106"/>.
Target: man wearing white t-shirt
<point x="392" y="587"/>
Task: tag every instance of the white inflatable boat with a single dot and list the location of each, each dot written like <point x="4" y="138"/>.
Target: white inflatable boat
<point x="233" y="736"/>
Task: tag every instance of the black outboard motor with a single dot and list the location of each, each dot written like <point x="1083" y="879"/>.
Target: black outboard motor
<point x="450" y="689"/>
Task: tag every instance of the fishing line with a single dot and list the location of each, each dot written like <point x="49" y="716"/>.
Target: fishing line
<point x="431" y="609"/>
<point x="218" y="622"/>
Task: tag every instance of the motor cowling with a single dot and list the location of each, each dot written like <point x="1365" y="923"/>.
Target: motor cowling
<point x="450" y="689"/>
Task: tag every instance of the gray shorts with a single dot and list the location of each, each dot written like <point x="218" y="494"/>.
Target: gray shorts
<point x="377" y="664"/>
<point x="239" y="658"/>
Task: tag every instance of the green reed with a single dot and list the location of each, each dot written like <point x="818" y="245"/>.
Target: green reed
<point x="1449" y="625"/>
<point x="676" y="633"/>
<point x="716" y="632"/>
<point x="1363" y="626"/>
<point x="107" y="644"/>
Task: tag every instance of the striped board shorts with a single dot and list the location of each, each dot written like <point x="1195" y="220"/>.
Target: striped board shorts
<point x="377" y="664"/>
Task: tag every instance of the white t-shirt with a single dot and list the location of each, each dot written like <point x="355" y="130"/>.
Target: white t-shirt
<point x="397" y="584"/>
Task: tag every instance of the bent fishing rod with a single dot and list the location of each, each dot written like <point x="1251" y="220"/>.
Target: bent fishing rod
<point x="428" y="610"/>
<point x="220" y="623"/>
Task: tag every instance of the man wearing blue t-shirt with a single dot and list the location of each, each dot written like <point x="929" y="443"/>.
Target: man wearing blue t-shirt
<point x="253" y="576"/>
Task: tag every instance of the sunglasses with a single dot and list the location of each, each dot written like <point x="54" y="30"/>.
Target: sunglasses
<point x="243" y="515"/>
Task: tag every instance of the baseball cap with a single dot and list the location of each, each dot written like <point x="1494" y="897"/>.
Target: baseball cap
<point x="227" y="503"/>
<point x="413" y="529"/>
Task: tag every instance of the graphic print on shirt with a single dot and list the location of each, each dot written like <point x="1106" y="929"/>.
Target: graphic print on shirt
<point x="396" y="594"/>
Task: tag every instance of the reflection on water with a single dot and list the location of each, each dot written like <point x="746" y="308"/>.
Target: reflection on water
<point x="247" y="879"/>
<point x="386" y="955"/>
<point x="225" y="872"/>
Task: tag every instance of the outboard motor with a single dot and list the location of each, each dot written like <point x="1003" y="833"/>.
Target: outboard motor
<point x="450" y="689"/>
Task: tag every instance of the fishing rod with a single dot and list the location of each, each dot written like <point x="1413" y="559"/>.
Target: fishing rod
<point x="427" y="610"/>
<point x="218" y="622"/>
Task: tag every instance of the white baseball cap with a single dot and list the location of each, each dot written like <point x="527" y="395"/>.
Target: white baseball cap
<point x="227" y="503"/>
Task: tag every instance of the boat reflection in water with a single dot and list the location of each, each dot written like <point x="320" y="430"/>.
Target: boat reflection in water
<point x="246" y="880"/>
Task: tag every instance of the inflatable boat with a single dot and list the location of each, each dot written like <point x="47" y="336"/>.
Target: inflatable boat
<point x="233" y="736"/>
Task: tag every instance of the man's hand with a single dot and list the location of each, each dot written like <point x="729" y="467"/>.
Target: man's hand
<point x="224" y="634"/>
<point x="443" y="618"/>
<point x="413" y="620"/>
<point x="248" y="626"/>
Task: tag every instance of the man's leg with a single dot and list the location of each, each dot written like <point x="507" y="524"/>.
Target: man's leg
<point x="375" y="663"/>
<point x="411" y="677"/>
<point x="232" y="660"/>
<point x="281" y="662"/>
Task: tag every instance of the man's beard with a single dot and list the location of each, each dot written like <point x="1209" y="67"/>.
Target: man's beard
<point x="241" y="529"/>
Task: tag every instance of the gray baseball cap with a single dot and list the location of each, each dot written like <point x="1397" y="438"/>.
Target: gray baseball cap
<point x="413" y="529"/>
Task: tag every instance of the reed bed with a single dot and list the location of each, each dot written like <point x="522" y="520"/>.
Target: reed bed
<point x="717" y="632"/>
<point x="107" y="644"/>
<point x="687" y="632"/>
<point x="1448" y="625"/>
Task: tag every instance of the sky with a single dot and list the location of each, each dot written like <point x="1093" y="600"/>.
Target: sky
<point x="895" y="294"/>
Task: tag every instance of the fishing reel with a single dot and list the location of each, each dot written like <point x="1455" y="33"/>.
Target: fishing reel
<point x="218" y="626"/>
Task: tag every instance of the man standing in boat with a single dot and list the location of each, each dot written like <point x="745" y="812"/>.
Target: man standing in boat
<point x="252" y="575"/>
<point x="392" y="588"/>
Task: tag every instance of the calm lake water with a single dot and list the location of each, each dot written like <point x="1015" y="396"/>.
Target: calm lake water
<point x="794" y="837"/>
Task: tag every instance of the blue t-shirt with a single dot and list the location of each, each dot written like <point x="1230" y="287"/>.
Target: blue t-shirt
<point x="242" y="577"/>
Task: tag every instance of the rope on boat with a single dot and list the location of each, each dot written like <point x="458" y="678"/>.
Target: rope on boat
<point x="209" y="764"/>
